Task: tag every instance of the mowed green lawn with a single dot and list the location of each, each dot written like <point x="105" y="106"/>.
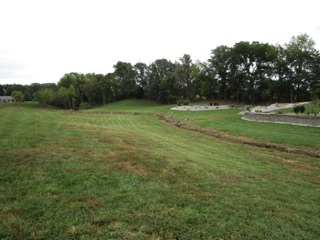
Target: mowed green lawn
<point x="130" y="176"/>
<point x="229" y="121"/>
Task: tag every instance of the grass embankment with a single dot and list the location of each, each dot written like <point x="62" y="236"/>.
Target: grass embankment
<point x="310" y="109"/>
<point x="229" y="121"/>
<point x="133" y="106"/>
<point x="126" y="176"/>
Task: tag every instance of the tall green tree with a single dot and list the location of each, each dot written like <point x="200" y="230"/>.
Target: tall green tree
<point x="280" y="87"/>
<point x="72" y="97"/>
<point x="27" y="95"/>
<point x="315" y="94"/>
<point x="125" y="75"/>
<point x="76" y="80"/>
<point x="158" y="70"/>
<point x="62" y="98"/>
<point x="300" y="54"/>
<point x="141" y="77"/>
<point x="45" y="96"/>
<point x="240" y="71"/>
<point x="206" y="83"/>
<point x="219" y="63"/>
<point x="90" y="88"/>
<point x="17" y="96"/>
<point x="108" y="87"/>
<point x="251" y="68"/>
<point x="66" y="97"/>
<point x="315" y="75"/>
<point x="168" y="90"/>
<point x="72" y="78"/>
<point x="185" y="74"/>
<point x="264" y="56"/>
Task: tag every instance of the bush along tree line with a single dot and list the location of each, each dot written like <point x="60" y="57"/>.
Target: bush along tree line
<point x="247" y="73"/>
<point x="299" y="108"/>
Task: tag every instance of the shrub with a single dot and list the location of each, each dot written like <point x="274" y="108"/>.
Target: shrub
<point x="179" y="102"/>
<point x="84" y="106"/>
<point x="299" y="108"/>
<point x="296" y="109"/>
<point x="186" y="102"/>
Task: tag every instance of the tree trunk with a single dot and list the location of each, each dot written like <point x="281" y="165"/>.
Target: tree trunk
<point x="104" y="97"/>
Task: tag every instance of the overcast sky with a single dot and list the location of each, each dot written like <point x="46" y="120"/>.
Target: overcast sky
<point x="41" y="40"/>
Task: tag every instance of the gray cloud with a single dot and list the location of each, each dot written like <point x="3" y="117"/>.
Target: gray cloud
<point x="38" y="46"/>
<point x="10" y="68"/>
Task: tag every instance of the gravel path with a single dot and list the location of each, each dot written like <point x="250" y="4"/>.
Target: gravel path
<point x="272" y="107"/>
<point x="200" y="108"/>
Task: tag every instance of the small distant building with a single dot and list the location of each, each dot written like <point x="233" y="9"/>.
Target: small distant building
<point x="6" y="99"/>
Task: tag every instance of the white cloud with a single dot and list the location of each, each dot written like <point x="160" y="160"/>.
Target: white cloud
<point x="50" y="38"/>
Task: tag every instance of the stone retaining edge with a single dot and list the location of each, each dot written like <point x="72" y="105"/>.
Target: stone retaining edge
<point x="282" y="118"/>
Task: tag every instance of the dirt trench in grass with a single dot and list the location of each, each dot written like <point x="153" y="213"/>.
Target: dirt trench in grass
<point x="236" y="139"/>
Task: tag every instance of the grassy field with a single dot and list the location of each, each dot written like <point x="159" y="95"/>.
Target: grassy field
<point x="97" y="175"/>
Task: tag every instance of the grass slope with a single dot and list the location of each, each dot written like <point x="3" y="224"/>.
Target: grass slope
<point x="134" y="105"/>
<point x="126" y="176"/>
<point x="230" y="121"/>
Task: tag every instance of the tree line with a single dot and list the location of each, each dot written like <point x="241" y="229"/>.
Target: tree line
<point x="247" y="73"/>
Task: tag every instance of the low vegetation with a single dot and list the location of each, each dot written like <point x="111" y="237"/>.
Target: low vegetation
<point x="119" y="173"/>
<point x="312" y="108"/>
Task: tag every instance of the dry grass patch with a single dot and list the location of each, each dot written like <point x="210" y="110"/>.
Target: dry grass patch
<point x="133" y="168"/>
